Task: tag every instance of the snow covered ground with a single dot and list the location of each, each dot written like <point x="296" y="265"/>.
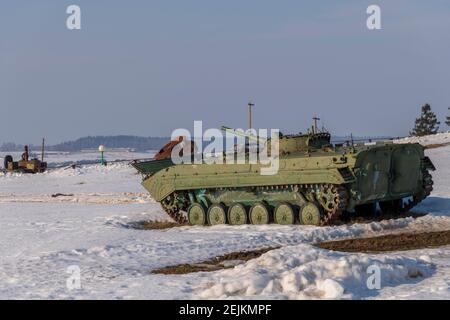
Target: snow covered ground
<point x="45" y="239"/>
<point x="439" y="138"/>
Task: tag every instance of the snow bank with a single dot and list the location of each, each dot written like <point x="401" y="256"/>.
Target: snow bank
<point x="438" y="138"/>
<point x="307" y="272"/>
<point x="88" y="169"/>
<point x="87" y="179"/>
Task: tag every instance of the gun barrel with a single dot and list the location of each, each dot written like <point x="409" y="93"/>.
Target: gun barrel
<point x="241" y="133"/>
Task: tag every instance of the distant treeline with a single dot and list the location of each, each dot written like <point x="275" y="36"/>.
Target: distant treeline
<point x="130" y="142"/>
<point x="111" y="142"/>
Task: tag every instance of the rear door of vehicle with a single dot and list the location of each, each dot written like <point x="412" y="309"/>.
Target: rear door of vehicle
<point x="374" y="173"/>
<point x="405" y="170"/>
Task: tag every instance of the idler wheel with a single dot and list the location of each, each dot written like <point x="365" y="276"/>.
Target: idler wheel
<point x="217" y="215"/>
<point x="237" y="215"/>
<point x="284" y="214"/>
<point x="196" y="214"/>
<point x="310" y="214"/>
<point x="259" y="214"/>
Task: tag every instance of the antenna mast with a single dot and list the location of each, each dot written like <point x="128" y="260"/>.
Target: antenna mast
<point x="42" y="149"/>
<point x="250" y="105"/>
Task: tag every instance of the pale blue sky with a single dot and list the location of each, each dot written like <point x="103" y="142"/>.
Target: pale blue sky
<point x="148" y="67"/>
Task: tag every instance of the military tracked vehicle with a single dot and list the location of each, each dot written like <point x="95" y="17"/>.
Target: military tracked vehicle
<point x="315" y="184"/>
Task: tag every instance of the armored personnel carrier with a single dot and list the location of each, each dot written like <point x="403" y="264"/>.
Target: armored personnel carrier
<point x="316" y="182"/>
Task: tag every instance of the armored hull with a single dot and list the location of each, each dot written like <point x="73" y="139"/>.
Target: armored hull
<point x="316" y="182"/>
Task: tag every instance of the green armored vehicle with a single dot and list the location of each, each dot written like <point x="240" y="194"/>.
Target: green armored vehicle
<point x="316" y="182"/>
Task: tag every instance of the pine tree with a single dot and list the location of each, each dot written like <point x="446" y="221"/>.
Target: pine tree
<point x="448" y="119"/>
<point x="426" y="124"/>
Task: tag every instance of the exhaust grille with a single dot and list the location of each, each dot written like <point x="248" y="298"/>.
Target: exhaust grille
<point x="346" y="174"/>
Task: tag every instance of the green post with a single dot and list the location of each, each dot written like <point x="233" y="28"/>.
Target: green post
<point x="101" y="148"/>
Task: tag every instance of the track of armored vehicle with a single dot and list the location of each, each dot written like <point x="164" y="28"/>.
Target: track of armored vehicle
<point x="315" y="184"/>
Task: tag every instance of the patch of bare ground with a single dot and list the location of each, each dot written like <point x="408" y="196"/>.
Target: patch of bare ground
<point x="437" y="145"/>
<point x="395" y="242"/>
<point x="226" y="261"/>
<point x="155" y="225"/>
<point x="56" y="195"/>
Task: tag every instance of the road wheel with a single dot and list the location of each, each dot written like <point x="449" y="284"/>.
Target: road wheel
<point x="259" y="214"/>
<point x="217" y="215"/>
<point x="237" y="215"/>
<point x="284" y="214"/>
<point x="7" y="160"/>
<point x="310" y="214"/>
<point x="196" y="214"/>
